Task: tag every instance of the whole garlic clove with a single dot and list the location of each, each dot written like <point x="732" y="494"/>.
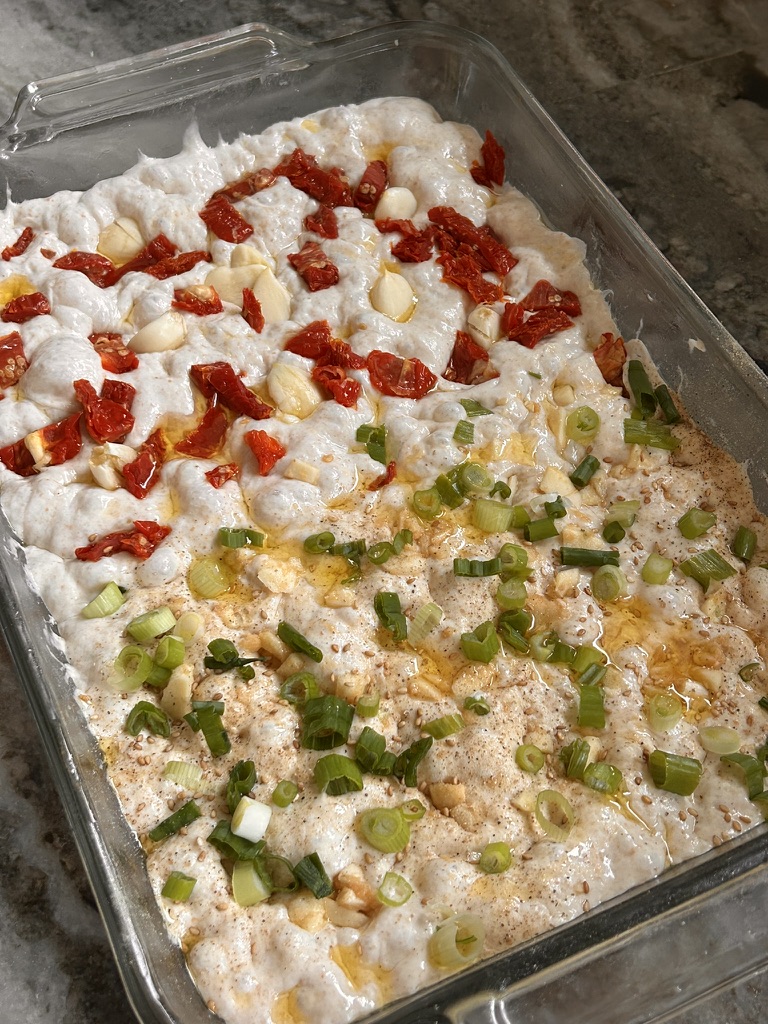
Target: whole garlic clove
<point x="393" y="296"/>
<point x="397" y="203"/>
<point x="167" y="332"/>
<point x="245" y="255"/>
<point x="484" y="325"/>
<point x="106" y="463"/>
<point x="230" y="281"/>
<point x="274" y="297"/>
<point x="303" y="471"/>
<point x="292" y="390"/>
<point x="120" y="241"/>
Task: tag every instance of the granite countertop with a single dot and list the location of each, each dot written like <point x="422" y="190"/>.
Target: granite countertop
<point x="667" y="99"/>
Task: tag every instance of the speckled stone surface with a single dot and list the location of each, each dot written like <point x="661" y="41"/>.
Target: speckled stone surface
<point x="669" y="103"/>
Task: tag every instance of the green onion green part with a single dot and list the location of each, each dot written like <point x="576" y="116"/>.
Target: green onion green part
<point x="394" y="890"/>
<point x="675" y="772"/>
<point x="666" y="403"/>
<point x="336" y="775"/>
<point x="656" y="569"/>
<point x="148" y="625"/>
<point x="242" y="779"/>
<point x="591" y="714"/>
<point x="588" y="556"/>
<point x="540" y="529"/>
<point x="178" y="887"/>
<point x="446" y="725"/>
<point x="147" y="717"/>
<point x="237" y="537"/>
<point x="575" y="757"/>
<point x="319" y="543"/>
<point x="130" y="669"/>
<point x="641" y="388"/>
<point x="495" y="858"/>
<point x="529" y="758"/>
<point x="298" y="643"/>
<point x="368" y="705"/>
<point x="584" y="472"/>
<point x="744" y="544"/>
<point x="652" y="433"/>
<point x="609" y="583"/>
<point x="554" y="814"/>
<point x="473" y="408"/>
<point x="386" y="604"/>
<point x="476" y="568"/>
<point x="427" y="503"/>
<point x="464" y="432"/>
<point x="369" y="748"/>
<point x="706" y="566"/>
<point x="311" y="873"/>
<point x="695" y="523"/>
<point x="664" y="711"/>
<point x="299" y="688"/>
<point x="284" y="793"/>
<point x="180" y="818"/>
<point x="477" y="704"/>
<point x="326" y="722"/>
<point x="482" y="644"/>
<point x="754" y="771"/>
<point x="107" y="602"/>
<point x="385" y="829"/>
<point x="423" y="622"/>
<point x="603" y="778"/>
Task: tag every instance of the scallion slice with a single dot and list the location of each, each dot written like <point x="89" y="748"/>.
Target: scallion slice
<point x="744" y="544"/>
<point x="464" y="432"/>
<point x="473" y="408"/>
<point x="588" y="556"/>
<point x="656" y="569"/>
<point x="482" y="644"/>
<point x="427" y="503"/>
<point x="582" y="424"/>
<point x="178" y="887"/>
<point x="666" y="403"/>
<point x="675" y="772"/>
<point x="503" y="490"/>
<point x="541" y="645"/>
<point x="319" y="543"/>
<point x="394" y="890"/>
<point x="754" y="771"/>
<point x="423" y="622"/>
<point x="105" y="603"/>
<point x="447" y="488"/>
<point x="148" y="625"/>
<point x="706" y="566"/>
<point x="208" y="577"/>
<point x="368" y="705"/>
<point x="477" y="704"/>
<point x="207" y="715"/>
<point x="130" y="669"/>
<point x="446" y="725"/>
<point x="491" y="516"/>
<point x="650" y="432"/>
<point x="386" y="604"/>
<point x="529" y="758"/>
<point x="326" y="722"/>
<point x="369" y="747"/>
<point x="180" y="818"/>
<point x="719" y="739"/>
<point x="407" y="761"/>
<point x="623" y="512"/>
<point x="311" y="873"/>
<point x="554" y="814"/>
<point x="540" y="529"/>
<point x="337" y="774"/>
<point x="242" y="779"/>
<point x="474" y="479"/>
<point x="563" y="654"/>
<point x="240" y="537"/>
<point x="284" y="793"/>
<point x="234" y="847"/>
<point x="511" y="594"/>
<point x="495" y="858"/>
<point x="695" y="523"/>
<point x="587" y="655"/>
<point x="413" y="810"/>
<point x="456" y="942"/>
<point x="374" y="439"/>
<point x="591" y="714"/>
<point x="512" y="627"/>
<point x="293" y="638"/>
<point x="188" y="627"/>
<point x="183" y="773"/>
<point x="476" y="568"/>
<point x="591" y="675"/>
<point x="575" y="758"/>
<point x="612" y="533"/>
<point x="603" y="778"/>
<point x="249" y="887"/>
<point x="158" y="676"/>
<point x="385" y="829"/>
<point x="664" y="711"/>
<point x="299" y="688"/>
<point x="746" y="672"/>
<point x="170" y="652"/>
<point x="380" y="553"/>
<point x="584" y="472"/>
<point x="609" y="583"/>
<point x="147" y="717"/>
<point x="555" y="509"/>
<point x="641" y="388"/>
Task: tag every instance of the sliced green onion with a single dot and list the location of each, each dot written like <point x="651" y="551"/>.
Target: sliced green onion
<point x="394" y="890"/>
<point x="591" y="675"/>
<point x="386" y="604"/>
<point x="423" y="622"/>
<point x="666" y="403"/>
<point x="763" y="703"/>
<point x="352" y="550"/>
<point x="106" y="603"/>
<point x="503" y="490"/>
<point x="563" y="654"/>
<point x="588" y="556"/>
<point x="540" y="529"/>
<point x="242" y="779"/>
<point x="476" y="568"/>
<point x="239" y="537"/>
<point x="719" y="739"/>
<point x="582" y="424"/>
<point x="478" y="705"/>
<point x="386" y="764"/>
<point x="474" y="479"/>
<point x="674" y="772"/>
<point x="148" y="625"/>
<point x="223" y="657"/>
<point x="449" y="492"/>
<point x="188" y="626"/>
<point x="284" y="793"/>
<point x="511" y="594"/>
<point x="234" y="847"/>
<point x="170" y="652"/>
<point x="641" y="388"/>
<point x="427" y="503"/>
<point x="207" y="715"/>
<point x="374" y="439"/>
<point x="299" y="688"/>
<point x="408" y="760"/>
<point x="512" y="627"/>
<point x="651" y="433"/>
<point x="623" y="512"/>
<point x="603" y="778"/>
<point x="482" y="644"/>
<point x="746" y="672"/>
<point x="293" y="638"/>
<point x="336" y="775"/>
<point x="326" y="723"/>
<point x="319" y="543"/>
<point x="158" y="676"/>
<point x="542" y="645"/>
<point x="464" y="432"/>
<point x="656" y="569"/>
<point x="208" y="577"/>
<point x="591" y="714"/>
<point x="555" y="509"/>
<point x="706" y="566"/>
<point x="178" y="887"/>
<point x="385" y="829"/>
<point x="575" y="758"/>
<point x="369" y="747"/>
<point x="380" y="553"/>
<point x="184" y="816"/>
<point x="473" y="408"/>
<point x="491" y="516"/>
<point x="368" y="705"/>
<point x="457" y="941"/>
<point x="609" y="583"/>
<point x="413" y="810"/>
<point x="311" y="873"/>
<point x="664" y="711"/>
<point x="584" y="472"/>
<point x="495" y="858"/>
<point x="529" y="758"/>
<point x="520" y="517"/>
<point x="695" y="523"/>
<point x="754" y="771"/>
<point x="554" y="814"/>
<point x="514" y="560"/>
<point x="401" y="539"/>
<point x="145" y="716"/>
<point x="188" y="776"/>
<point x="447" y="725"/>
<point x="130" y="669"/>
<point x="744" y="544"/>
<point x="612" y="533"/>
<point x="587" y="655"/>
<point x="248" y="885"/>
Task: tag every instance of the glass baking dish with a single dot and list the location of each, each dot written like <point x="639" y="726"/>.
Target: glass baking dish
<point x="641" y="957"/>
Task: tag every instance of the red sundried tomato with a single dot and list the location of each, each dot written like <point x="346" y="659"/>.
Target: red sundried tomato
<point x="386" y="477"/>
<point x="218" y="476"/>
<point x="266" y="448"/>
<point x="339" y="353"/>
<point x="303" y="171"/>
<point x="344" y="390"/>
<point x="114" y="355"/>
<point x="227" y="223"/>
<point x="18" y="458"/>
<point x="221" y="379"/>
<point x="403" y="378"/>
<point x="202" y="300"/>
<point x="97" y="268"/>
<point x="141" y="541"/>
<point x="465" y="273"/>
<point x="143" y="473"/>
<point x="413" y="248"/>
<point x="158" y="249"/>
<point x="489" y="250"/>
<point x="207" y="437"/>
<point x="512" y="317"/>
<point x="180" y="264"/>
<point x="323" y="222"/>
<point x="118" y="391"/>
<point x="544" y="295"/>
<point x="610" y="356"/>
<point x="540" y="325"/>
<point x="372" y="184"/>
<point x="105" y="418"/>
<point x="13" y="362"/>
<point x="317" y="269"/>
<point x="19" y="246"/>
<point x="25" y="307"/>
<point x="491" y="171"/>
<point x="47" y="253"/>
<point x="469" y="362"/>
<point x="60" y="441"/>
<point x="403" y="226"/>
<point x="252" y="311"/>
<point x="249" y="185"/>
<point x="312" y="341"/>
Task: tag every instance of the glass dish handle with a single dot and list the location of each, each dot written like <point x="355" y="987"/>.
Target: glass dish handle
<point x="173" y="74"/>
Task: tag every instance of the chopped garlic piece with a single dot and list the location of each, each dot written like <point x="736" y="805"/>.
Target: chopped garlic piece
<point x="230" y="281"/>
<point x="167" y="332"/>
<point x="120" y="241"/>
<point x="484" y="324"/>
<point x="393" y="296"/>
<point x="292" y="390"/>
<point x="176" y="698"/>
<point x="245" y="255"/>
<point x="106" y="463"/>
<point x="274" y="297"/>
<point x="304" y="471"/>
<point x="397" y="203"/>
<point x="554" y="481"/>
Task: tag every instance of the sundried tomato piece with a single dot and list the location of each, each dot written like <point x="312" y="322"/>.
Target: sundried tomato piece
<point x="25" y="307"/>
<point x="469" y="362"/>
<point x="312" y="341"/>
<point x="249" y="185"/>
<point x="252" y="311"/>
<point x="143" y="473"/>
<point x="465" y="273"/>
<point x="114" y="355"/>
<point x="491" y="170"/>
<point x="544" y="295"/>
<point x="18" y="458"/>
<point x="48" y="253"/>
<point x="118" y="391"/>
<point x="219" y="475"/>
<point x="371" y="185"/>
<point x="386" y="477"/>
<point x="226" y="222"/>
<point x="610" y="356"/>
<point x="221" y="379"/>
<point x="207" y="437"/>
<point x="13" y="362"/>
<point x="105" y="418"/>
<point x="339" y="353"/>
<point x="171" y="266"/>
<point x="323" y="222"/>
<point x="403" y="226"/>
<point x="97" y="268"/>
<point x="317" y="269"/>
<point x="344" y="390"/>
<point x="304" y="173"/>
<point x="540" y="325"/>
<point x="141" y="541"/>
<point x="413" y="248"/>
<point x="512" y="317"/>
<point x="155" y="251"/>
<point x="266" y="448"/>
<point x="403" y="378"/>
<point x="18" y="247"/>
<point x="52" y="445"/>
<point x="491" y="252"/>
<point x="200" y="299"/>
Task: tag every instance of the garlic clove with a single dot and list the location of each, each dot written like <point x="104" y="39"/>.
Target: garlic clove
<point x="484" y="325"/>
<point x="106" y="463"/>
<point x="292" y="390"/>
<point x="397" y="203"/>
<point x="167" y="332"/>
<point x="245" y="255"/>
<point x="393" y="296"/>
<point x="176" y="698"/>
<point x="304" y="471"/>
<point x="230" y="281"/>
<point x="274" y="297"/>
<point x="120" y="241"/>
